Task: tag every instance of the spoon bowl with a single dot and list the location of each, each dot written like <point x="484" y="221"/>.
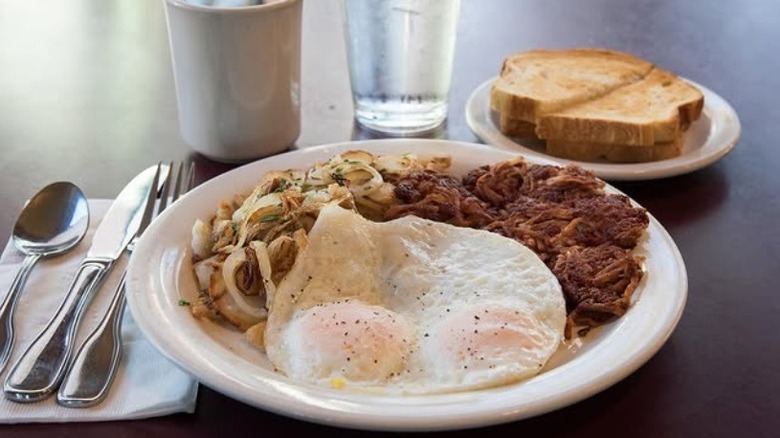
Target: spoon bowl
<point x="53" y="222"/>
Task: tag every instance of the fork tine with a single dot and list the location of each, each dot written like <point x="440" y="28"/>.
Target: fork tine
<point x="177" y="186"/>
<point x="166" y="190"/>
<point x="190" y="177"/>
<point x="150" y="199"/>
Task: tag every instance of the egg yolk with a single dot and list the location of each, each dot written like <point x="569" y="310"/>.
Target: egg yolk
<point x="489" y="339"/>
<point x="349" y="340"/>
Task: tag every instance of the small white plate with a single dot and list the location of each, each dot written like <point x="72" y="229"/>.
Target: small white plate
<point x="160" y="274"/>
<point x="707" y="140"/>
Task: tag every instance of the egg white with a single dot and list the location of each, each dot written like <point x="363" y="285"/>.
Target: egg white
<point x="412" y="306"/>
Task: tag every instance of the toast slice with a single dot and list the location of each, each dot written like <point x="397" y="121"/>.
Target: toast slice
<point x="538" y="82"/>
<point x="516" y="128"/>
<point x="616" y="153"/>
<point x="651" y="111"/>
<point x="593" y="151"/>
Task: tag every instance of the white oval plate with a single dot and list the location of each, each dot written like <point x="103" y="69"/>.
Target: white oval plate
<point x="707" y="140"/>
<point x="160" y="274"/>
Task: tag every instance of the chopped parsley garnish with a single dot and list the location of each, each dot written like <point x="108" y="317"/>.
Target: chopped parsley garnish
<point x="339" y="177"/>
<point x="183" y="302"/>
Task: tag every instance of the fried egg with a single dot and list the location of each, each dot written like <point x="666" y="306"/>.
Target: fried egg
<point x="412" y="306"/>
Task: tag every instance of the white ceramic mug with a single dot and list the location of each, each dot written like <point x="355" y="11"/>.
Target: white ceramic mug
<point x="237" y="74"/>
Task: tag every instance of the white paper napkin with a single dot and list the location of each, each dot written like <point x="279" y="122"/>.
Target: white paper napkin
<point x="146" y="384"/>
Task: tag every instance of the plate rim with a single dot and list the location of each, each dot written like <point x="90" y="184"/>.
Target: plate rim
<point x="281" y="401"/>
<point x="726" y="133"/>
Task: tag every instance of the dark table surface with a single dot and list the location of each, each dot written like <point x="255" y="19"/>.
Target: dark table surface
<point x="87" y="95"/>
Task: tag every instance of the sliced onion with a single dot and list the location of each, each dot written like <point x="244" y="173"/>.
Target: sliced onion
<point x="253" y="203"/>
<point x="222" y="235"/>
<point x="314" y="177"/>
<point x="267" y="205"/>
<point x="264" y="262"/>
<point x="354" y="173"/>
<point x="252" y="306"/>
<point x="384" y="195"/>
<point x="360" y="156"/>
<point x="397" y="164"/>
<point x="367" y="187"/>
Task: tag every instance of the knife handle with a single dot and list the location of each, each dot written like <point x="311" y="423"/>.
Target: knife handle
<point x="93" y="369"/>
<point x="38" y="372"/>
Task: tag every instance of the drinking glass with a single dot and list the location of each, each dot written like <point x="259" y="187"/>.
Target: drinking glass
<point x="400" y="55"/>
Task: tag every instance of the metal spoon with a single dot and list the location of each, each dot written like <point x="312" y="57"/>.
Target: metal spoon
<point x="53" y="222"/>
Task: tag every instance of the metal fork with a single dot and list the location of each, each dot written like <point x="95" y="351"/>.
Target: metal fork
<point x="92" y="372"/>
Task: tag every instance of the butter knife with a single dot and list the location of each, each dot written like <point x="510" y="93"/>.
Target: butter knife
<point x="37" y="373"/>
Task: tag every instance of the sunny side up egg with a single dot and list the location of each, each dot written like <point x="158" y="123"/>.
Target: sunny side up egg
<point x="412" y="306"/>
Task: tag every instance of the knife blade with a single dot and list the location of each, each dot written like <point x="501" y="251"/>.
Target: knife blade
<point x="37" y="373"/>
